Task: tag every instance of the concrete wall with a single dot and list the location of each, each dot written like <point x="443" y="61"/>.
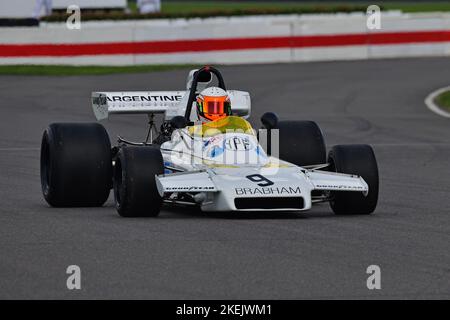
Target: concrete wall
<point x="20" y="9"/>
<point x="233" y="40"/>
<point x="89" y="4"/>
<point x="25" y="8"/>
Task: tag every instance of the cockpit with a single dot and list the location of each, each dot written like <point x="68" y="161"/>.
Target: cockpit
<point x="230" y="124"/>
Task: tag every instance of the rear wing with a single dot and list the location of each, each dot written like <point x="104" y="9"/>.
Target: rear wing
<point x="106" y="103"/>
<point x="169" y="103"/>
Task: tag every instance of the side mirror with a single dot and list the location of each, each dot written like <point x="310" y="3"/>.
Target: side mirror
<point x="269" y="120"/>
<point x="178" y="122"/>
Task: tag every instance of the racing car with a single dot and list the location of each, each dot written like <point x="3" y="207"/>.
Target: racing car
<point x="222" y="165"/>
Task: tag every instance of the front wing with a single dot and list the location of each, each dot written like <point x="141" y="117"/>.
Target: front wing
<point x="250" y="189"/>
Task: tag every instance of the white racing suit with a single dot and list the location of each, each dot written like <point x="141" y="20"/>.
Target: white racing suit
<point x="46" y="4"/>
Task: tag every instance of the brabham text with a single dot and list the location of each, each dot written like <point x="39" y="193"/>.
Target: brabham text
<point x="267" y="190"/>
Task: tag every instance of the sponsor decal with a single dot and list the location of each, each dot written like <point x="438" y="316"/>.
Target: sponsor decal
<point x="238" y="143"/>
<point x="215" y="152"/>
<point x="267" y="190"/>
<point x="148" y="98"/>
<point x="213" y="140"/>
<point x="189" y="188"/>
<point x="213" y="146"/>
<point x="339" y="187"/>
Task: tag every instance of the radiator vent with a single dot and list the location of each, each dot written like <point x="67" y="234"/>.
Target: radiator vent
<point x="269" y="203"/>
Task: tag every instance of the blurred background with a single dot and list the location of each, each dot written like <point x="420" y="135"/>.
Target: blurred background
<point x="131" y="33"/>
<point x="55" y="10"/>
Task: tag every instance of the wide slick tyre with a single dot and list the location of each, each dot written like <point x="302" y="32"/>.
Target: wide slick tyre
<point x="301" y="143"/>
<point x="359" y="160"/>
<point x="76" y="165"/>
<point x="135" y="191"/>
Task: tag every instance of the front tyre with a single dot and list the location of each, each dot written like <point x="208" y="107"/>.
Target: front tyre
<point x="301" y="143"/>
<point x="359" y="160"/>
<point x="76" y="165"/>
<point x="135" y="191"/>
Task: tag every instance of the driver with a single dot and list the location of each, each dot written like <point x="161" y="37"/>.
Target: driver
<point x="213" y="103"/>
<point x="214" y="113"/>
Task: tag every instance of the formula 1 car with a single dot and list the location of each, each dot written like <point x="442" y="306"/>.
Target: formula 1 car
<point x="223" y="165"/>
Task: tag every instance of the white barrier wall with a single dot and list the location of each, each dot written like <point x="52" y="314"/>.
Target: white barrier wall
<point x="232" y="40"/>
<point x="19" y="9"/>
<point x="89" y="4"/>
<point x="25" y="8"/>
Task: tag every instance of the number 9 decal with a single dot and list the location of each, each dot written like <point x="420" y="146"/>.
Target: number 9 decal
<point x="263" y="181"/>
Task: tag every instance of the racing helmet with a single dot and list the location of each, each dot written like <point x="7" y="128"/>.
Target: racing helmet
<point x="213" y="103"/>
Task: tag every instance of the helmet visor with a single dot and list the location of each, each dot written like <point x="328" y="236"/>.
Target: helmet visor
<point x="216" y="105"/>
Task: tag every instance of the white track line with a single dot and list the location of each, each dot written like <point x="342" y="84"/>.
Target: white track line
<point x="429" y="101"/>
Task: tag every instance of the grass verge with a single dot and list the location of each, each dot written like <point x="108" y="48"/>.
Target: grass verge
<point x="417" y="6"/>
<point x="206" y="9"/>
<point x="406" y="6"/>
<point x="443" y="100"/>
<point x="64" y="70"/>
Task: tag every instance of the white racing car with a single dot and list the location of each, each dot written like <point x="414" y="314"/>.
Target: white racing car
<point x="222" y="165"/>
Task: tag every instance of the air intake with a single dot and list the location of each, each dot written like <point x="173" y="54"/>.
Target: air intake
<point x="269" y="203"/>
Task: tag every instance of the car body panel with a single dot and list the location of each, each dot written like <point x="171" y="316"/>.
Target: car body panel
<point x="240" y="169"/>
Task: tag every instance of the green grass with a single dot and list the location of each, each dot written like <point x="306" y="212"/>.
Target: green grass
<point x="204" y="6"/>
<point x="200" y="6"/>
<point x="63" y="70"/>
<point x="424" y="6"/>
<point x="443" y="100"/>
<point x="206" y="9"/>
<point x="211" y="9"/>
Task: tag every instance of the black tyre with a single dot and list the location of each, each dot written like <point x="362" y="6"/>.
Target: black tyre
<point x="135" y="190"/>
<point x="359" y="160"/>
<point x="76" y="165"/>
<point x="301" y="143"/>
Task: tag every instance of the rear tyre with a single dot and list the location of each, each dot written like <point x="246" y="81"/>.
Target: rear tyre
<point x="135" y="191"/>
<point x="359" y="160"/>
<point x="76" y="165"/>
<point x="301" y="143"/>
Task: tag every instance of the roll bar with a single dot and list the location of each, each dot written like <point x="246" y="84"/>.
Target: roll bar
<point x="198" y="75"/>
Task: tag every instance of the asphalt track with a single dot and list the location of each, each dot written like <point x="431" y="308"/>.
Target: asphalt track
<point x="186" y="254"/>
